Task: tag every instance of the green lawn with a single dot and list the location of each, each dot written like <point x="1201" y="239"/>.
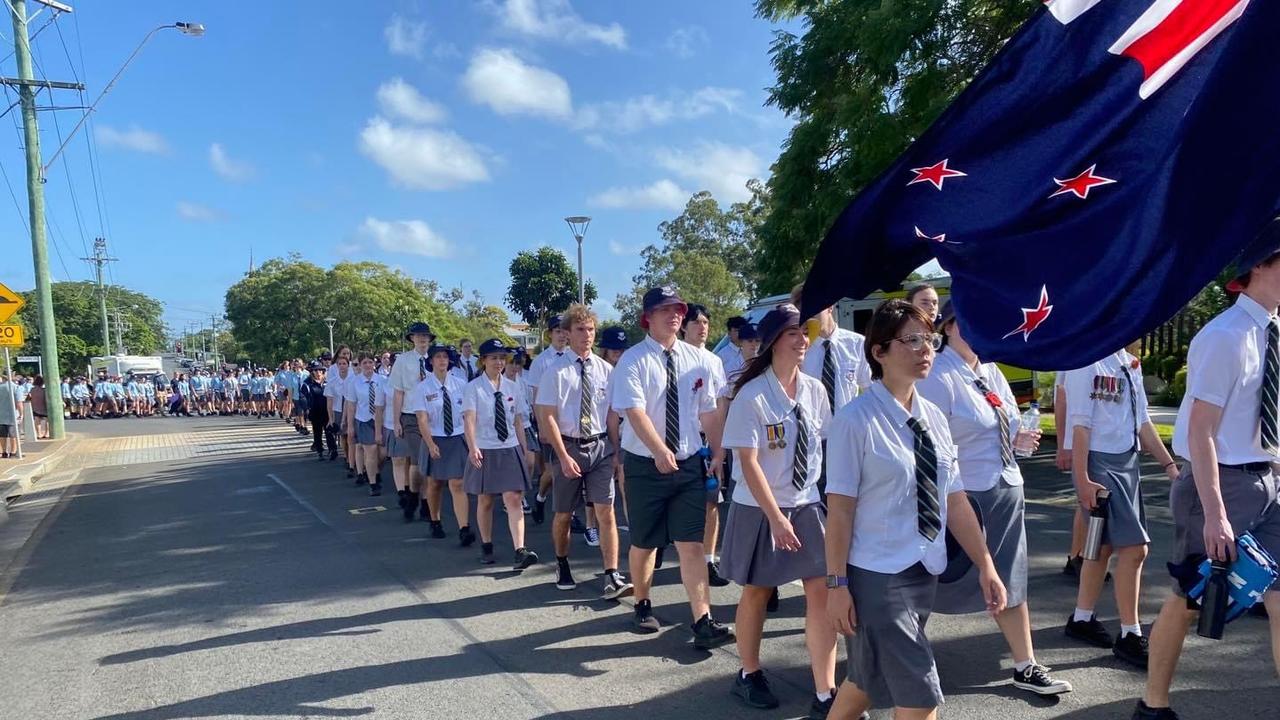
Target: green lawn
<point x="1048" y="427"/>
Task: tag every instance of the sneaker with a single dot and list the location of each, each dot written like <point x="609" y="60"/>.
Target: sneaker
<point x="1146" y="712"/>
<point x="643" y="621"/>
<point x="754" y="690"/>
<point x="564" y="578"/>
<point x="1132" y="649"/>
<point x="538" y="511"/>
<point x="437" y="529"/>
<point x="576" y="527"/>
<point x="1036" y="679"/>
<point x="820" y="709"/>
<point x="616" y="586"/>
<point x="1090" y="631"/>
<point x="709" y="633"/>
<point x="713" y="575"/>
<point x="592" y="537"/>
<point x="524" y="558"/>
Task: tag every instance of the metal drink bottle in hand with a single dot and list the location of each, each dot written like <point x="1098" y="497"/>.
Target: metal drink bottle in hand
<point x="1096" y="526"/>
<point x="1213" y="603"/>
<point x="1024" y="442"/>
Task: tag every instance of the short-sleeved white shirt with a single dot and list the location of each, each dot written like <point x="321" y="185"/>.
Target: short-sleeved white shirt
<point x="389" y="413"/>
<point x="335" y="388"/>
<point x="407" y="371"/>
<point x="952" y="386"/>
<point x="359" y="395"/>
<point x="853" y="373"/>
<point x="719" y="379"/>
<point x="761" y="414"/>
<point x="730" y="354"/>
<point x="428" y="397"/>
<point x="1224" y="368"/>
<point x="1098" y="399"/>
<point x="871" y="457"/>
<point x="640" y="381"/>
<point x="561" y="388"/>
<point x="479" y="400"/>
<point x="545" y="359"/>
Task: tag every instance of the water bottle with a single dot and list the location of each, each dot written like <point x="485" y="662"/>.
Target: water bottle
<point x="1213" y="604"/>
<point x="1024" y="442"/>
<point x="711" y="482"/>
<point x="1097" y="525"/>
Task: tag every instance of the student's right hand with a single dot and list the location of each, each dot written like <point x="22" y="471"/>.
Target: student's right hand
<point x="840" y="611"/>
<point x="666" y="462"/>
<point x="399" y="430"/>
<point x="569" y="467"/>
<point x="1087" y="493"/>
<point x="477" y="459"/>
<point x="1063" y="460"/>
<point x="784" y="535"/>
<point x="434" y="449"/>
<point x="1219" y="538"/>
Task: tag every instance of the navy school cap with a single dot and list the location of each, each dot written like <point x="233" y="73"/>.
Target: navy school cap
<point x="494" y="346"/>
<point x="748" y="332"/>
<point x="613" y="338"/>
<point x="553" y="322"/>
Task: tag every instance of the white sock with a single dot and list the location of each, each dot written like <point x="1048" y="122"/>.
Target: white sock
<point x="823" y="696"/>
<point x="1083" y="615"/>
<point x="1130" y="630"/>
<point x="1020" y="666"/>
<point x="743" y="673"/>
<point x="711" y="558"/>
<point x="542" y="498"/>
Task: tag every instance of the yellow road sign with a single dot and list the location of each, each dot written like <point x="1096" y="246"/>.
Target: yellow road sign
<point x="10" y="303"/>
<point x="11" y="336"/>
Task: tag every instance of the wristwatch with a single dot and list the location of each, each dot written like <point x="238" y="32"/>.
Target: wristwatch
<point x="837" y="581"/>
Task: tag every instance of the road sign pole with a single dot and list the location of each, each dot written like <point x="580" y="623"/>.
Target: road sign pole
<point x="13" y="401"/>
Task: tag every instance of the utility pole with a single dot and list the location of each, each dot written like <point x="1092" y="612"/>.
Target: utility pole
<point x="99" y="259"/>
<point x="214" y="341"/>
<point x="122" y="325"/>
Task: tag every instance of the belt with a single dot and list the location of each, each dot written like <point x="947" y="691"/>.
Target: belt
<point x="580" y="442"/>
<point x="1253" y="468"/>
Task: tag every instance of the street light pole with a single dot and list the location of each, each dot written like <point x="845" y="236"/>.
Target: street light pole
<point x="578" y="226"/>
<point x="330" y="322"/>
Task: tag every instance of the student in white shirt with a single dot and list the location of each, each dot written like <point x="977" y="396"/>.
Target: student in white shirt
<point x="549" y="356"/>
<point x="694" y="331"/>
<point x="411" y="367"/>
<point x="613" y="342"/>
<point x="775" y="529"/>
<point x="892" y="487"/>
<point x="1227" y="433"/>
<point x="495" y="413"/>
<point x="364" y="406"/>
<point x="468" y="364"/>
<point x="837" y="358"/>
<point x="731" y="354"/>
<point x="437" y="403"/>
<point x="982" y="416"/>
<point x="663" y="386"/>
<point x="924" y="296"/>
<point x="515" y="372"/>
<point x="1107" y="412"/>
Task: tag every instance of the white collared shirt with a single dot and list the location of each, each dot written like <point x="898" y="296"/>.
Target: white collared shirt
<point x="359" y="396"/>
<point x="730" y="354"/>
<point x="755" y="418"/>
<point x="428" y="397"/>
<point x="1098" y="399"/>
<point x="1224" y="368"/>
<point x="715" y="365"/>
<point x="871" y="457"/>
<point x="407" y="372"/>
<point x="561" y="388"/>
<point x="640" y="381"/>
<point x="545" y="359"/>
<point x="479" y="401"/>
<point x="952" y="386"/>
<point x="335" y="388"/>
<point x="853" y="373"/>
<point x="468" y="362"/>
<point x="389" y="418"/>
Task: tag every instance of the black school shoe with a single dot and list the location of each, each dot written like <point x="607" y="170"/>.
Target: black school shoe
<point x="465" y="536"/>
<point x="1146" y="712"/>
<point x="361" y="479"/>
<point x="1036" y="679"/>
<point x="524" y="558"/>
<point x="713" y="575"/>
<point x="375" y="488"/>
<point x="709" y="633"/>
<point x="1090" y="631"/>
<point x="1131" y="649"/>
<point x="486" y="554"/>
<point x="437" y="529"/>
<point x="754" y="690"/>
<point x="643" y="621"/>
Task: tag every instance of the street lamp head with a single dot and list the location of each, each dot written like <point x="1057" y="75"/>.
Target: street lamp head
<point x="330" y="321"/>
<point x="578" y="225"/>
<point x="189" y="28"/>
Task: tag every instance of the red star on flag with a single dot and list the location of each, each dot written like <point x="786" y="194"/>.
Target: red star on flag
<point x="936" y="174"/>
<point x="1033" y="317"/>
<point x="935" y="238"/>
<point x="1081" y="184"/>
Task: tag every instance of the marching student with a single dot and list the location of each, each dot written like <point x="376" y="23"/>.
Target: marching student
<point x="80" y="395"/>
<point x="731" y="354"/>
<point x="363" y="410"/>
<point x="243" y="376"/>
<point x="283" y="382"/>
<point x="982" y="416"/>
<point x="924" y="296"/>
<point x="335" y="389"/>
<point x="467" y="367"/>
<point x="1227" y="433"/>
<point x="694" y="331"/>
<point x="613" y="342"/>
<point x="573" y="415"/>
<point x="838" y="358"/>
<point x="494" y="414"/>
<point x="149" y="397"/>
<point x="411" y="367"/>
<point x="774" y="533"/>
<point x="663" y="387"/>
<point x="548" y="357"/>
<point x="316" y="404"/>
<point x="892" y="488"/>
<point x="300" y="374"/>
<point x="1107" y="413"/>
<point x="437" y="404"/>
<point x="515" y="372"/>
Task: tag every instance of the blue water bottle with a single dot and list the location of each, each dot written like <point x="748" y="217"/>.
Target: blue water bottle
<point x="705" y="453"/>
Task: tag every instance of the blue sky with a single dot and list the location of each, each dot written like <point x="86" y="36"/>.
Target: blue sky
<point x="439" y="137"/>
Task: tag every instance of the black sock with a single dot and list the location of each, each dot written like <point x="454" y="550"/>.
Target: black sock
<point x="646" y="604"/>
<point x="610" y="571"/>
<point x="487" y="548"/>
<point x="562" y="561"/>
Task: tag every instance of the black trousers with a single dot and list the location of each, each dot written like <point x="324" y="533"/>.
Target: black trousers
<point x="320" y="429"/>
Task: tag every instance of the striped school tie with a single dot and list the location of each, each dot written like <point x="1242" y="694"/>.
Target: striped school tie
<point x="1002" y="423"/>
<point x="928" y="507"/>
<point x="586" y="407"/>
<point x="373" y="396"/>
<point x="447" y="416"/>
<point x="422" y="369"/>
<point x="829" y="373"/>
<point x="1133" y="403"/>
<point x="672" y="436"/>
<point x="800" y="462"/>
<point x="1270" y="410"/>
<point x="500" y="416"/>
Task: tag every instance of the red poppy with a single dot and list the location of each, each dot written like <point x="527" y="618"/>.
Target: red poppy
<point x="697" y="384"/>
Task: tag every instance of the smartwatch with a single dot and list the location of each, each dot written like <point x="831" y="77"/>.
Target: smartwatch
<point x="837" y="581"/>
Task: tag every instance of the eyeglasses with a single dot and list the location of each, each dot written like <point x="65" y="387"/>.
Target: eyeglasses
<point x="917" y="341"/>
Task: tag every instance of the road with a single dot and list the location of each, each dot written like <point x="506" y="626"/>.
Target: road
<point x="212" y="568"/>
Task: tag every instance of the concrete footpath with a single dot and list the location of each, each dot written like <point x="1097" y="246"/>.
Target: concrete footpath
<point x="243" y="579"/>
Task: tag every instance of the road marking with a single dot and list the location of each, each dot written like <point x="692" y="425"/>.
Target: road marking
<point x="366" y="510"/>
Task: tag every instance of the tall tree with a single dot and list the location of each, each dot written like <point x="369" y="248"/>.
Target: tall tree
<point x="543" y="283"/>
<point x="864" y="80"/>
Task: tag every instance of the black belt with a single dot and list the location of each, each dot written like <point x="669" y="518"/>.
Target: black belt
<point x="582" y="442"/>
<point x="1253" y="468"/>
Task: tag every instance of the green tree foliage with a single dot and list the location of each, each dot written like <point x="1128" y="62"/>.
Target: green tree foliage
<point x="865" y="79"/>
<point x="79" y="322"/>
<point x="278" y="310"/>
<point x="543" y="283"/>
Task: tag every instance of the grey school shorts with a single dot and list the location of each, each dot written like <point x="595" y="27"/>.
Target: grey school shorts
<point x="595" y="460"/>
<point x="1250" y="501"/>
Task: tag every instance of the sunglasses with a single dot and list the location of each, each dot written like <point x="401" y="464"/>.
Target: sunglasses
<point x="917" y="341"/>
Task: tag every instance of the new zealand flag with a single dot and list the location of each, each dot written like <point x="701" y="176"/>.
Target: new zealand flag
<point x="1113" y="158"/>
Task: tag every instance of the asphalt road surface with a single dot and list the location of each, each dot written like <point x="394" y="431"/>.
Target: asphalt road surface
<point x="259" y="583"/>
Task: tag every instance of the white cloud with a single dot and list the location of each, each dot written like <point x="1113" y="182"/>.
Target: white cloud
<point x="510" y="86"/>
<point x="413" y="237"/>
<point x="226" y="166"/>
<point x="399" y="98"/>
<point x="662" y="195"/>
<point x="648" y="110"/>
<point x="134" y="138"/>
<point x="195" y="212"/>
<point x="618" y="248"/>
<point x="557" y="20"/>
<point x="422" y="158"/>
<point x="722" y="169"/>
<point x="405" y="37"/>
<point x="684" y="41"/>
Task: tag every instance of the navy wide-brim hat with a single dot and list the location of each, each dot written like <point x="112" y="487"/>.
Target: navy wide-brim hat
<point x="494" y="346"/>
<point x="771" y="327"/>
<point x="434" y="349"/>
<point x="418" y="328"/>
<point x="613" y="338"/>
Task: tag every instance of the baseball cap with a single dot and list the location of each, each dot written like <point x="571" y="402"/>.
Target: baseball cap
<point x="658" y="297"/>
<point x="553" y="322"/>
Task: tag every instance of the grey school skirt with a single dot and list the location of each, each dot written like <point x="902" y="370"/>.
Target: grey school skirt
<point x="1126" y="512"/>
<point x="889" y="656"/>
<point x="1003" y="511"/>
<point x="502" y="470"/>
<point x="407" y="445"/>
<point x="452" y="462"/>
<point x="365" y="432"/>
<point x="748" y="555"/>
